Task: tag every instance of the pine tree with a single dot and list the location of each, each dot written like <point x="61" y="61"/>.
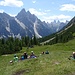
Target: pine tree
<point x="35" y="40"/>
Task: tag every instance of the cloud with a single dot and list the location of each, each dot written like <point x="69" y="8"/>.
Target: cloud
<point x="12" y="3"/>
<point x="61" y="18"/>
<point x="40" y="9"/>
<point x="1" y="11"/>
<point x="34" y="1"/>
<point x="45" y="17"/>
<point x="47" y="10"/>
<point x="73" y="0"/>
<point x="67" y="7"/>
<point x="37" y="13"/>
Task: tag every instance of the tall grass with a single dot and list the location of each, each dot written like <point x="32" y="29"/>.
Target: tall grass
<point x="54" y="63"/>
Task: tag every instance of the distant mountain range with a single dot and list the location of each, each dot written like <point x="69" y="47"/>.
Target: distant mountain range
<point x="64" y="35"/>
<point x="27" y="24"/>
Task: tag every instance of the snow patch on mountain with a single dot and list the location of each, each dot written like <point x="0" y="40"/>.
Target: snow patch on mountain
<point x="8" y="27"/>
<point x="20" y="23"/>
<point x="23" y="26"/>
<point x="35" y="30"/>
<point x="57" y="29"/>
<point x="18" y="36"/>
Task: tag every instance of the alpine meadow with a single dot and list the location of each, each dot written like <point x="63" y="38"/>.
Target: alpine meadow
<point x="37" y="37"/>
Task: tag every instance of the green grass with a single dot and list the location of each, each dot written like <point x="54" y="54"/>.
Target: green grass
<point x="55" y="63"/>
<point x="74" y="34"/>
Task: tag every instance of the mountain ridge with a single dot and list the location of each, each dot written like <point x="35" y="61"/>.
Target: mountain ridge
<point x="23" y="24"/>
<point x="64" y="35"/>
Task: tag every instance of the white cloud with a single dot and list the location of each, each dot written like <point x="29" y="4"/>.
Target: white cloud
<point x="61" y="18"/>
<point x="34" y="1"/>
<point x="73" y="0"/>
<point x="37" y="13"/>
<point x="40" y="9"/>
<point x="45" y="17"/>
<point x="12" y="3"/>
<point x="1" y="11"/>
<point x="67" y="7"/>
<point x="47" y="10"/>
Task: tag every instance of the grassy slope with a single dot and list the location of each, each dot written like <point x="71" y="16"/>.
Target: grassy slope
<point x="56" y="63"/>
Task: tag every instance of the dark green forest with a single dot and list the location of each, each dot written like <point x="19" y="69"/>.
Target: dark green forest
<point x="13" y="45"/>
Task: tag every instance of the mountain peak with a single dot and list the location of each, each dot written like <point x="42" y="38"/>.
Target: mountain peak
<point x="28" y="12"/>
<point x="23" y="10"/>
<point x="22" y="13"/>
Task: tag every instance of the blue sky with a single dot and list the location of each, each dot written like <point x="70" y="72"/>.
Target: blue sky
<point x="46" y="10"/>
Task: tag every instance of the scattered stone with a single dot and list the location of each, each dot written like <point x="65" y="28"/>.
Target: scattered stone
<point x="56" y="63"/>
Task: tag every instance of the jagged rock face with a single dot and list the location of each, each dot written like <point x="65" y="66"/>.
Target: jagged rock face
<point x="26" y="23"/>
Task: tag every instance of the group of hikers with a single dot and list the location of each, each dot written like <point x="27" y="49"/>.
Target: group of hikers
<point x="32" y="55"/>
<point x="25" y="56"/>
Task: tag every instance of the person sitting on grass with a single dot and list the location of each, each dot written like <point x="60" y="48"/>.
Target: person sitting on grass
<point x="22" y="57"/>
<point x="43" y="53"/>
<point x="47" y="52"/>
<point x="25" y="55"/>
<point x="72" y="57"/>
<point x="15" y="58"/>
<point x="32" y="55"/>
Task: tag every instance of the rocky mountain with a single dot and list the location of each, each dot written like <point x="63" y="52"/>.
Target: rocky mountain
<point x="28" y="24"/>
<point x="64" y="35"/>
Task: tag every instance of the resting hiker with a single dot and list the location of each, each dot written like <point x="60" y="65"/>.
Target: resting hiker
<point x="72" y="57"/>
<point x="43" y="53"/>
<point x="15" y="58"/>
<point x="22" y="57"/>
<point x="32" y="55"/>
<point x="25" y="55"/>
<point x="47" y="52"/>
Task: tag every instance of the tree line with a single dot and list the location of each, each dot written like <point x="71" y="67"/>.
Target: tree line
<point x="12" y="45"/>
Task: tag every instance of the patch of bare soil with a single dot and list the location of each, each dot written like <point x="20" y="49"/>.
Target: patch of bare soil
<point x="4" y="55"/>
<point x="57" y="63"/>
<point x="21" y="72"/>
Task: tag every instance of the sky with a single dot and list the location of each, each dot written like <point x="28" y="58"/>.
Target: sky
<point x="45" y="10"/>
